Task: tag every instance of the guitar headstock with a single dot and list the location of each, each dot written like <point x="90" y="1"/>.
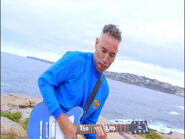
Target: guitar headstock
<point x="139" y="127"/>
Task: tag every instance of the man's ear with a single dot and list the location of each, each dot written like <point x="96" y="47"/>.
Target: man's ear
<point x="97" y="41"/>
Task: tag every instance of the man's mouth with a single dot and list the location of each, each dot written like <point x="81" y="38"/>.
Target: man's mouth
<point x="103" y="65"/>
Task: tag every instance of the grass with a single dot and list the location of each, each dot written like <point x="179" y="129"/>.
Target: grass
<point x="16" y="116"/>
<point x="152" y="135"/>
<point x="12" y="116"/>
<point x="25" y="124"/>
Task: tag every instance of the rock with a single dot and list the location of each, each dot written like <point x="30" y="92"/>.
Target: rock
<point x="128" y="136"/>
<point x="173" y="135"/>
<point x="22" y="101"/>
<point x="18" y="103"/>
<point x="9" y="127"/>
<point x="25" y="104"/>
<point x="25" y="114"/>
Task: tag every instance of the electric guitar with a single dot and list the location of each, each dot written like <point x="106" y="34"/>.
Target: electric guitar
<point x="42" y="125"/>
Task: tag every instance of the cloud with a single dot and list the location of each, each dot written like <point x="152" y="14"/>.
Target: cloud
<point x="153" y="31"/>
<point x="143" y="19"/>
<point x="166" y="54"/>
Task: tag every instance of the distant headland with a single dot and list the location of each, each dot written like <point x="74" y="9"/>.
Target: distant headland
<point x="137" y="80"/>
<point x="146" y="82"/>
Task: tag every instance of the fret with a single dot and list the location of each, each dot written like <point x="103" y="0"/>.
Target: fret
<point x="86" y="129"/>
<point x="127" y="128"/>
<point x="134" y="127"/>
<point x="91" y="129"/>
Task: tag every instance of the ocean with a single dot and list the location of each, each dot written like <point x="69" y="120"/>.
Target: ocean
<point x="163" y="112"/>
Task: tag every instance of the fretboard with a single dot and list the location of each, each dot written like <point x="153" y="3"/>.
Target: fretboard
<point x="88" y="129"/>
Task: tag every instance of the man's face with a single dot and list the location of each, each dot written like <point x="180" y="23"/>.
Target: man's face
<point x="106" y="48"/>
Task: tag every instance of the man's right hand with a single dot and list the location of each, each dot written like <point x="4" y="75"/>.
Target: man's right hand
<point x="69" y="130"/>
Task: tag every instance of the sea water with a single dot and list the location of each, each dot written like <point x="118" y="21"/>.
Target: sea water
<point x="163" y="112"/>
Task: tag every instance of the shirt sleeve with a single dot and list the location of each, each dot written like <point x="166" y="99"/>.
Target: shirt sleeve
<point x="63" y="70"/>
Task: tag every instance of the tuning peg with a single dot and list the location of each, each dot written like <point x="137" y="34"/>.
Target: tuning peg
<point x="132" y="121"/>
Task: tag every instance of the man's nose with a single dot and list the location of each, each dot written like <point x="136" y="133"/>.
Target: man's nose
<point x="106" y="59"/>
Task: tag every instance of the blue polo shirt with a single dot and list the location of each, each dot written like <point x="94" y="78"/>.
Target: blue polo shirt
<point x="69" y="83"/>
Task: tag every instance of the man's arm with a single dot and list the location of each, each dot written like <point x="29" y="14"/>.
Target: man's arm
<point x="63" y="70"/>
<point x="48" y="94"/>
<point x="67" y="127"/>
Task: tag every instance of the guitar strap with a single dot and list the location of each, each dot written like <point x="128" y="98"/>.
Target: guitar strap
<point x="93" y="94"/>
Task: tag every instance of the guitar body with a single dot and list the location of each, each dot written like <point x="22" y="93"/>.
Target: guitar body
<point x="42" y="125"/>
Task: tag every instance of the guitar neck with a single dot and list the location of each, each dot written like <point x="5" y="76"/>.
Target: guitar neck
<point x="88" y="129"/>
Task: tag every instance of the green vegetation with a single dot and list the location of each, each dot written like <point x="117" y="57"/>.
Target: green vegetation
<point x="12" y="116"/>
<point x="152" y="135"/>
<point x="25" y="124"/>
<point x="15" y="117"/>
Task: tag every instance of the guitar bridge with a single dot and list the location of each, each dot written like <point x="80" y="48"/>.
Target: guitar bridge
<point x="52" y="128"/>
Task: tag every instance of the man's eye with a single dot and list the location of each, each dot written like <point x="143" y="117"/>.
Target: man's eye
<point x="104" y="51"/>
<point x="112" y="55"/>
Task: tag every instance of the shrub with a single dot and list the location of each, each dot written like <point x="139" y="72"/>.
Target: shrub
<point x="152" y="135"/>
<point x="12" y="116"/>
<point x="25" y="124"/>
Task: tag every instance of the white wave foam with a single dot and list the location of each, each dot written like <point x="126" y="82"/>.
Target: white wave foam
<point x="180" y="107"/>
<point x="178" y="130"/>
<point x="173" y="113"/>
<point x="121" y="121"/>
<point x="158" y="126"/>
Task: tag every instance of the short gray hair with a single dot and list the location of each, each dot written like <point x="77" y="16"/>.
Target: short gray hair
<point x="112" y="30"/>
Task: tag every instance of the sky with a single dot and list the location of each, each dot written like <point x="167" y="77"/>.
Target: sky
<point x="152" y="32"/>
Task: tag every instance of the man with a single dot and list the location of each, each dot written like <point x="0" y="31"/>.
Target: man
<point x="70" y="81"/>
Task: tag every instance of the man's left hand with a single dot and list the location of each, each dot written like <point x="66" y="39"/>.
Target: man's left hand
<point x="101" y="133"/>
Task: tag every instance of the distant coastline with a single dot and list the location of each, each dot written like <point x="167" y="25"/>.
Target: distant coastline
<point x="146" y="82"/>
<point x="137" y="80"/>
